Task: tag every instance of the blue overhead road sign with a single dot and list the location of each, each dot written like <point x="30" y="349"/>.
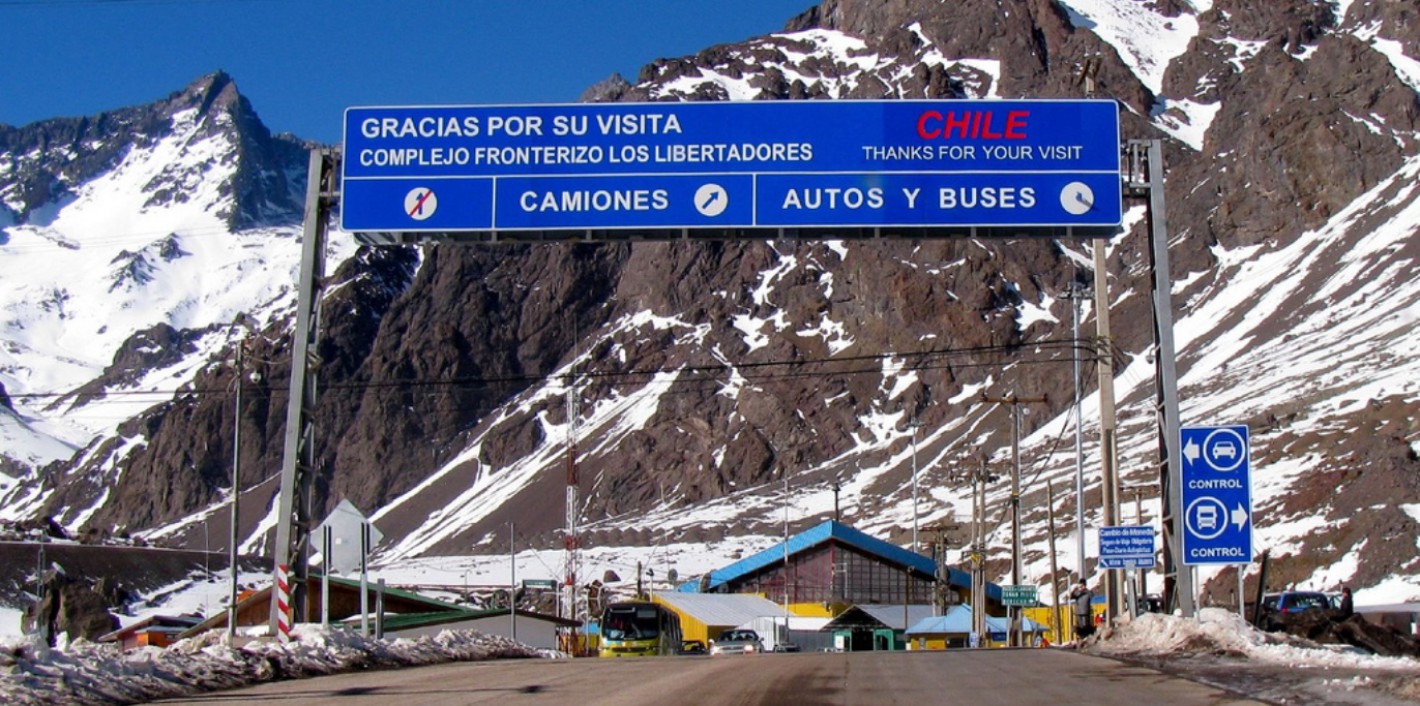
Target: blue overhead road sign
<point x="772" y="164"/>
<point x="1217" y="495"/>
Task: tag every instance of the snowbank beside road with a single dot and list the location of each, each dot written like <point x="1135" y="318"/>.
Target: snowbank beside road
<point x="1218" y="632"/>
<point x="1220" y="648"/>
<point x="88" y="673"/>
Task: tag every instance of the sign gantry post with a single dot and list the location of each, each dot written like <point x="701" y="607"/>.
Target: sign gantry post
<point x="293" y="514"/>
<point x="1146" y="177"/>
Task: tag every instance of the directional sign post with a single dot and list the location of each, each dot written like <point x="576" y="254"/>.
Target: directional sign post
<point x="1217" y="495"/>
<point x="745" y="164"/>
<point x="1127" y="547"/>
<point x="347" y="538"/>
<point x="345" y="523"/>
<point x="1018" y="596"/>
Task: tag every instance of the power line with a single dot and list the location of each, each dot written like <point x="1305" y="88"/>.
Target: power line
<point x="703" y="373"/>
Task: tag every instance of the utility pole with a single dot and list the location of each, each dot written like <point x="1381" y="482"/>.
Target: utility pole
<point x="1104" y="363"/>
<point x="1075" y="295"/>
<point x="1054" y="580"/>
<point x="41" y="623"/>
<point x="939" y="552"/>
<point x="1086" y="78"/>
<point x="1015" y="402"/>
<point x="979" y="479"/>
<point x="513" y="579"/>
<point x="571" y="540"/>
<point x="786" y="553"/>
<point x="235" y="537"/>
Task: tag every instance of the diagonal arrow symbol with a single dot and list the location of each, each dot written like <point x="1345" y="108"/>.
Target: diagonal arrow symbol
<point x="419" y="205"/>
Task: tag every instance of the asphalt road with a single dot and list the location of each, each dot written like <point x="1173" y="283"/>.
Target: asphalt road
<point x="976" y="677"/>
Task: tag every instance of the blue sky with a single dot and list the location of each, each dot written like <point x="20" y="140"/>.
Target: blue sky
<point x="302" y="62"/>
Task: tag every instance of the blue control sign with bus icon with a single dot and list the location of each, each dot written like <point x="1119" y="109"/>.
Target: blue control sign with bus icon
<point x="1217" y="495"/>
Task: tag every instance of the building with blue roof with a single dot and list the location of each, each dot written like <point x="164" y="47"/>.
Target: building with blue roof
<point x="832" y="566"/>
<point x="954" y="629"/>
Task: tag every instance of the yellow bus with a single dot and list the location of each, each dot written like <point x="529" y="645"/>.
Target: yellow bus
<point x="639" y="629"/>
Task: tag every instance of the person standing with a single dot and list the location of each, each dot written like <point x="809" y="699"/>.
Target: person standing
<point x="1083" y="599"/>
<point x="1347" y="608"/>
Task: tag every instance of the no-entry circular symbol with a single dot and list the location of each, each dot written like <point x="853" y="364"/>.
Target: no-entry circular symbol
<point x="711" y="200"/>
<point x="420" y="203"/>
<point x="1077" y="198"/>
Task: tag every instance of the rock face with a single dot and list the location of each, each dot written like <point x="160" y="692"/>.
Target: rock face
<point x="707" y="371"/>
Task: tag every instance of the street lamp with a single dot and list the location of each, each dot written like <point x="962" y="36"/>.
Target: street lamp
<point x="914" y="425"/>
<point x="246" y="322"/>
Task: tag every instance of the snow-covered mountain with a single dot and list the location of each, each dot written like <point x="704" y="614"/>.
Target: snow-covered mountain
<point x="710" y="374"/>
<point x="132" y="240"/>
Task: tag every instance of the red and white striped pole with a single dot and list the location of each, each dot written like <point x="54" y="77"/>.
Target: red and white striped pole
<point x="283" y="603"/>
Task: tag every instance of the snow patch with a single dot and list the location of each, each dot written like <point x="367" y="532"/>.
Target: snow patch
<point x="1146" y="40"/>
<point x="1407" y="68"/>
<point x="1028" y="313"/>
<point x="1186" y="120"/>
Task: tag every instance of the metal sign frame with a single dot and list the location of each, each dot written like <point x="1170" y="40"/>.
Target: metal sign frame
<point x="736" y="164"/>
<point x="293" y="520"/>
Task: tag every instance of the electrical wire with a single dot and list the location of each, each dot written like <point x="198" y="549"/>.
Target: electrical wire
<point x="702" y="374"/>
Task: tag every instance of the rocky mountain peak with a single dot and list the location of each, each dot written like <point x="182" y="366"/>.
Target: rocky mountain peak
<point x="263" y="174"/>
<point x="217" y="90"/>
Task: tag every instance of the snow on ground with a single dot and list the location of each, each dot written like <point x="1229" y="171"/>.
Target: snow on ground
<point x="88" y="673"/>
<point x="1220" y="648"/>
<point x="1218" y="631"/>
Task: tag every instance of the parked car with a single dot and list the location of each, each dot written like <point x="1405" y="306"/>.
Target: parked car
<point x="786" y="647"/>
<point x="692" y="647"/>
<point x="1276" y="605"/>
<point x="736" y="642"/>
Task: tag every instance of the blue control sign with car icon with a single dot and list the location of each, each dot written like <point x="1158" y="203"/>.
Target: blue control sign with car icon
<point x="1217" y="495"/>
